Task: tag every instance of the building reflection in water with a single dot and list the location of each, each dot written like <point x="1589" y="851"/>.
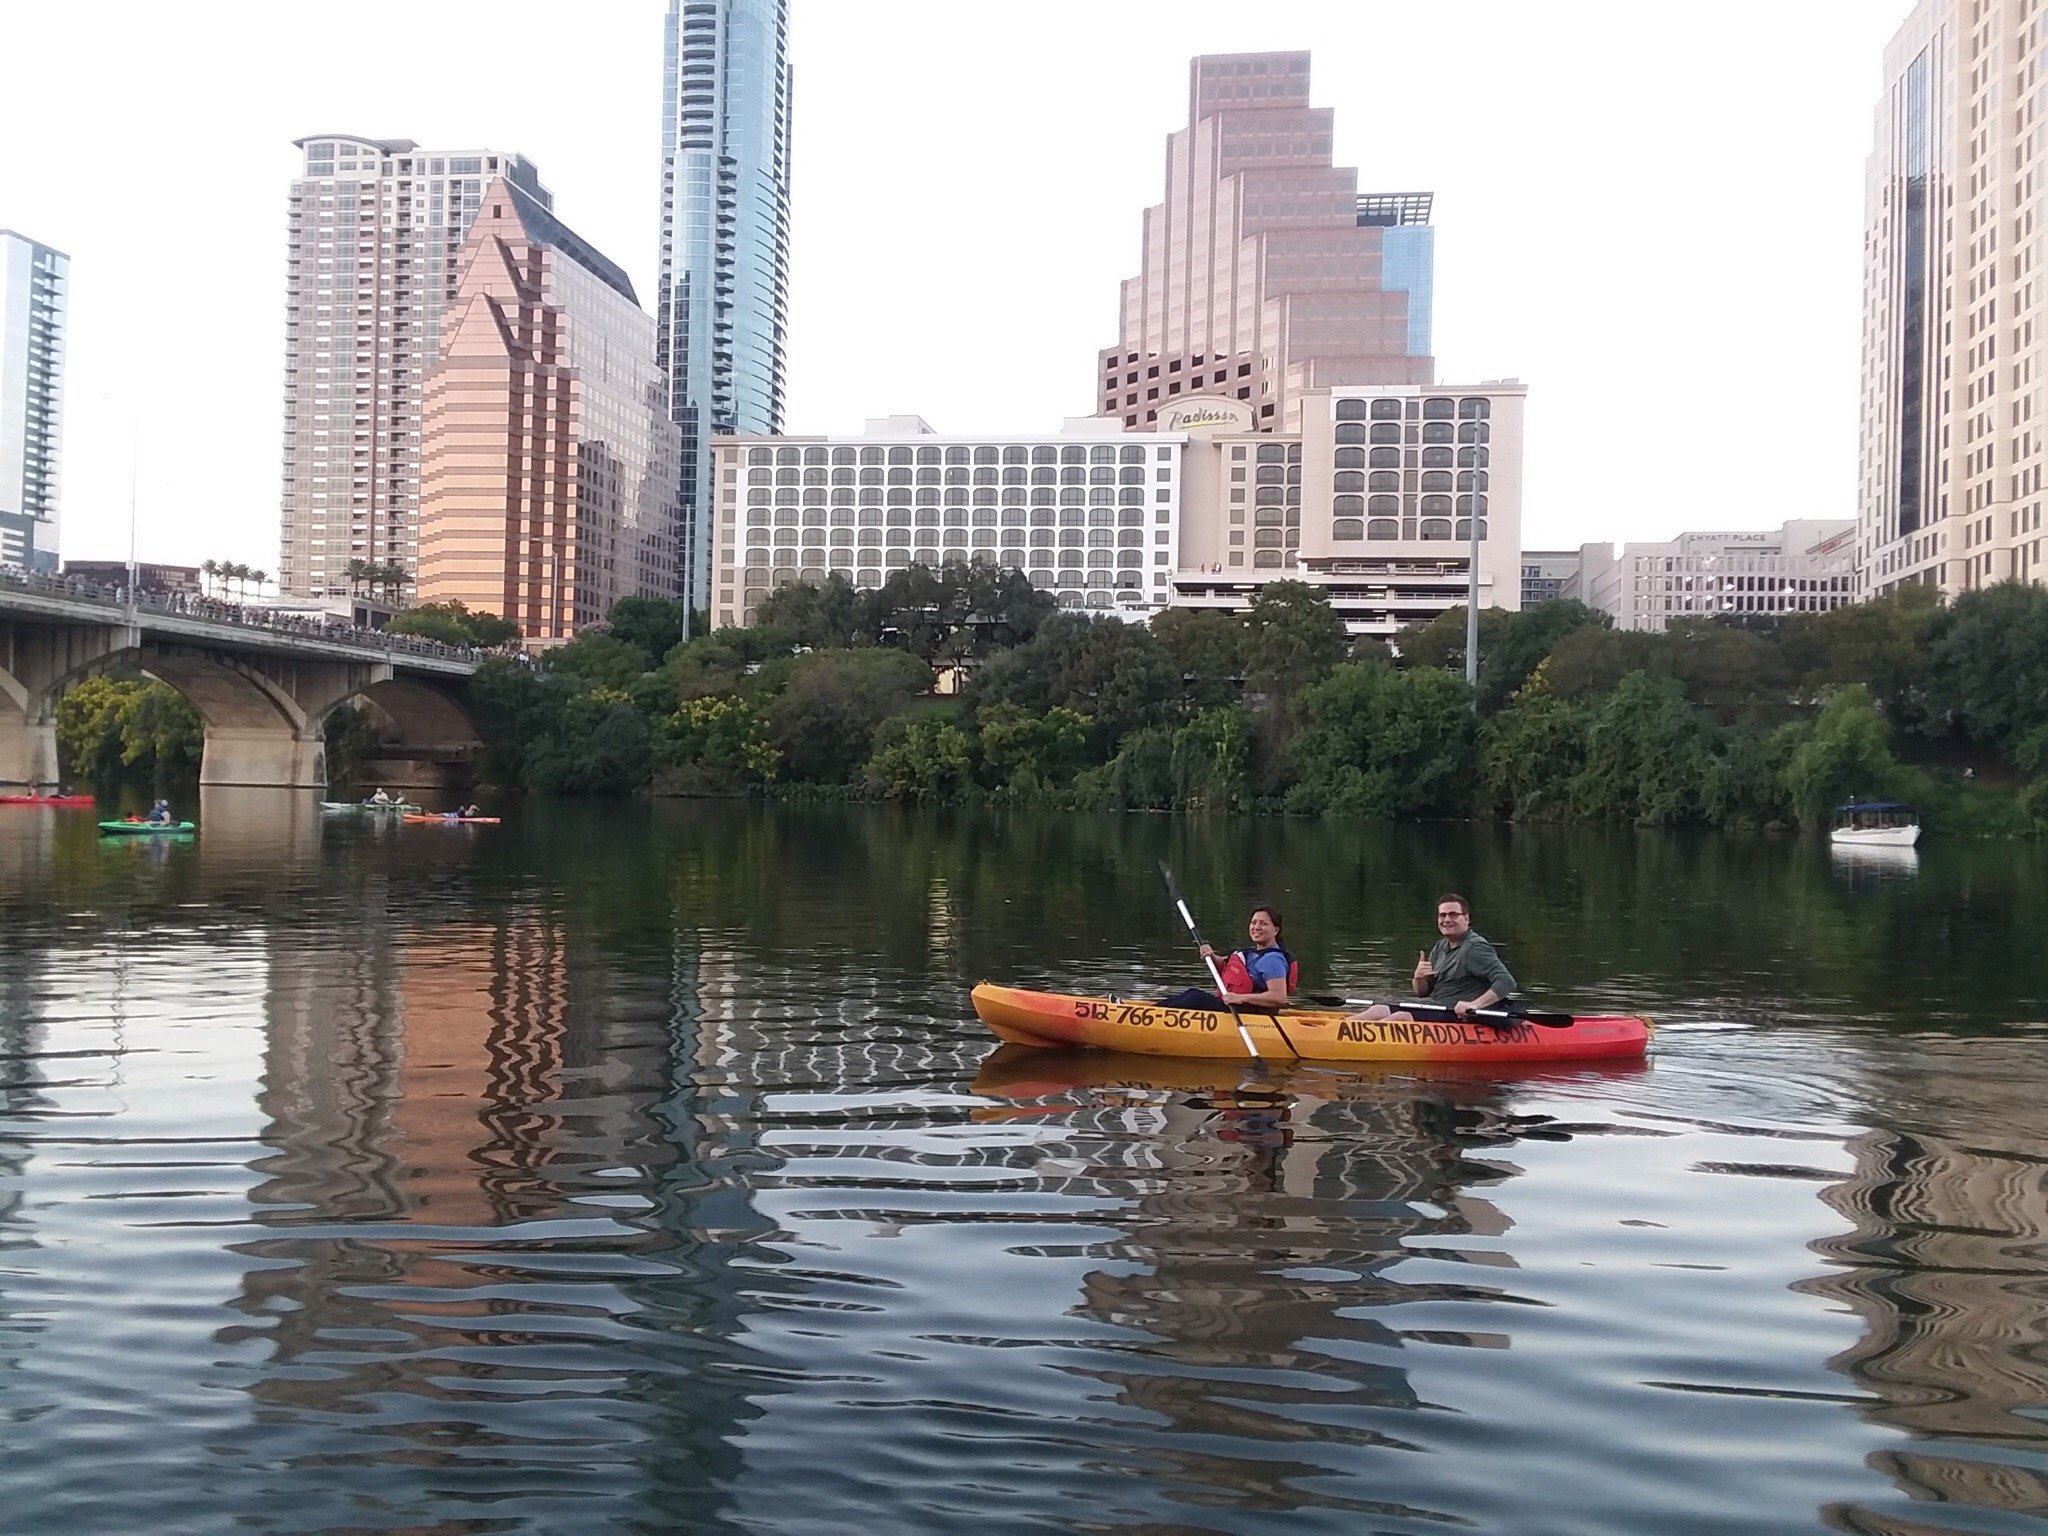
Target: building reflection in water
<point x="488" y="1211"/>
<point x="1265" y="1218"/>
<point x="1943" y="1262"/>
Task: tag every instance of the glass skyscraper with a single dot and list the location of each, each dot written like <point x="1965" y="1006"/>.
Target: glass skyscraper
<point x="1407" y="255"/>
<point x="34" y="291"/>
<point x="723" y="301"/>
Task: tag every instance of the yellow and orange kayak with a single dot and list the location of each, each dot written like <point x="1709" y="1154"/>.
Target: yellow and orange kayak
<point x="1056" y="1019"/>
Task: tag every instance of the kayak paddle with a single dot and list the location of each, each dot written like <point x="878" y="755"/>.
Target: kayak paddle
<point x="1490" y="1015"/>
<point x="1181" y="906"/>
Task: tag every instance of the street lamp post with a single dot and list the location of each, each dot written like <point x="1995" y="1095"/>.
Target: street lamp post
<point x="1472" y="587"/>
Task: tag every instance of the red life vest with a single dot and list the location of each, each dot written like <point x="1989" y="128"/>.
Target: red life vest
<point x="1237" y="972"/>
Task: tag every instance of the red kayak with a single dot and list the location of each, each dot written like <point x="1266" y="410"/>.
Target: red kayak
<point x="62" y="802"/>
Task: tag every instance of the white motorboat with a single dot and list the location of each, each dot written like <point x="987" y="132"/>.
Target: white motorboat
<point x="1875" y="824"/>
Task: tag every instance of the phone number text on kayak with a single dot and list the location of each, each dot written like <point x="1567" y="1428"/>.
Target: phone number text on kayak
<point x="1142" y="1015"/>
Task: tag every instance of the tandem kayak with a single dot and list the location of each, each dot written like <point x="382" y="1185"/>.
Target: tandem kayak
<point x="456" y="821"/>
<point x="145" y="828"/>
<point x="62" y="802"/>
<point x="1057" y="1019"/>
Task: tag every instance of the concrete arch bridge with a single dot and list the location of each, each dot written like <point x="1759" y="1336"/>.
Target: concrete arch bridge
<point x="263" y="684"/>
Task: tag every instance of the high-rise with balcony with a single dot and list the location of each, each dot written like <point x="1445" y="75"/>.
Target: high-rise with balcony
<point x="1955" y="318"/>
<point x="721" y="310"/>
<point x="377" y="227"/>
<point x="35" y="283"/>
<point x="548" y="462"/>
<point x="1265" y="273"/>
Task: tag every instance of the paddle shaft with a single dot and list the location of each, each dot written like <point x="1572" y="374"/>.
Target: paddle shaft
<point x="1180" y="905"/>
<point x="1488" y="1015"/>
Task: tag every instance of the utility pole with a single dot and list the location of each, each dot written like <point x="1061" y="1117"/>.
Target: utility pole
<point x="1472" y="587"/>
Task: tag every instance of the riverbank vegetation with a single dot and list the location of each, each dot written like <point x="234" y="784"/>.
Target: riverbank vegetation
<point x="1717" y="723"/>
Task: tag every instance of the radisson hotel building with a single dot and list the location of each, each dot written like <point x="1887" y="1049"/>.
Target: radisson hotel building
<point x="1368" y="494"/>
<point x="1268" y="413"/>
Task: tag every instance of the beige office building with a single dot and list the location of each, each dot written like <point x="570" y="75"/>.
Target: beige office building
<point x="1954" y="324"/>
<point x="1806" y="566"/>
<point x="377" y="227"/>
<point x="1368" y="493"/>
<point x="549" y="466"/>
<point x="1265" y="273"/>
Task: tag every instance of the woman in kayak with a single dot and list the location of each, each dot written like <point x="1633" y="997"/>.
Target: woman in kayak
<point x="1262" y="975"/>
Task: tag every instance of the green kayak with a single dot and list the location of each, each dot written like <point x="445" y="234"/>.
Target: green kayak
<point x="146" y="828"/>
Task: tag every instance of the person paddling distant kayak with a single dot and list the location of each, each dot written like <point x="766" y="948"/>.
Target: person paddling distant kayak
<point x="1262" y="976"/>
<point x="1461" y="974"/>
<point x="160" y="814"/>
<point x="380" y="798"/>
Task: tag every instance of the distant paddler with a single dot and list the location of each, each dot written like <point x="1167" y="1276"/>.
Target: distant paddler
<point x="159" y="814"/>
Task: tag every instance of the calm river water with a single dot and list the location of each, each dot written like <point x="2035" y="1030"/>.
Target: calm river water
<point x="638" y="1168"/>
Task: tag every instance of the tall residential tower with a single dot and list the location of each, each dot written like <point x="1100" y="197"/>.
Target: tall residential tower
<point x="1265" y="274"/>
<point x="1955" y="321"/>
<point x="722" y="304"/>
<point x="377" y="227"/>
<point x="35" y="284"/>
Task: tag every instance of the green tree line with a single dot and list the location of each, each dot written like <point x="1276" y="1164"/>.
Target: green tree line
<point x="831" y="693"/>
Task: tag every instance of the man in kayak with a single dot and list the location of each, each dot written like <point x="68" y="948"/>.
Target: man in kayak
<point x="380" y="798"/>
<point x="1260" y="976"/>
<point x="160" y="814"/>
<point x="1461" y="975"/>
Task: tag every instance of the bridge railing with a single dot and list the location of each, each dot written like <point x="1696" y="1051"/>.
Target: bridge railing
<point x="215" y="610"/>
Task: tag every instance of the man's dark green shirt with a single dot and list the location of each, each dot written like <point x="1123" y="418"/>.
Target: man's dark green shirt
<point x="1465" y="971"/>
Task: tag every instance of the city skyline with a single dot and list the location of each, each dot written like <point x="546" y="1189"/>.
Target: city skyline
<point x="1519" y="129"/>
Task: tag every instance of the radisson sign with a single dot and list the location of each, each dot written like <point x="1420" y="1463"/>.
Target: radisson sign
<point x="1218" y="413"/>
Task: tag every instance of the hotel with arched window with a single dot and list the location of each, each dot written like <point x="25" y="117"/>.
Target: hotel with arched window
<point x="1368" y="492"/>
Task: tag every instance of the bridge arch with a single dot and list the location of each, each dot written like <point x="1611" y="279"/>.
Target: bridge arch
<point x="263" y="689"/>
<point x="426" y="738"/>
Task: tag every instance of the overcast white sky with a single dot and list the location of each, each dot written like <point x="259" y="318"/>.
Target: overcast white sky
<point x="1650" y="213"/>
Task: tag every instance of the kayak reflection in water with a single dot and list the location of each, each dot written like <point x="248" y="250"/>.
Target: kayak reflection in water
<point x="1261" y="976"/>
<point x="1460" y="975"/>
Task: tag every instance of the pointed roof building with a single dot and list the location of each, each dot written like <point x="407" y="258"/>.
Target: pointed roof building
<point x="548" y="484"/>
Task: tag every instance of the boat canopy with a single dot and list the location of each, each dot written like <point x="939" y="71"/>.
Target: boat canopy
<point x="1876" y="805"/>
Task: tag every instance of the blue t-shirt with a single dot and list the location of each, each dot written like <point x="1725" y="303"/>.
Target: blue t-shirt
<point x="1265" y="965"/>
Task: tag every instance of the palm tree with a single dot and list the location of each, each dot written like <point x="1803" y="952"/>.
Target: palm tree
<point x="208" y="570"/>
<point x="240" y="575"/>
<point x="358" y="573"/>
<point x="259" y="577"/>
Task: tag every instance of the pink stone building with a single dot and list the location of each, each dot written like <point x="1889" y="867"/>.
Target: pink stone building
<point x="548" y="473"/>
<point x="1264" y="272"/>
